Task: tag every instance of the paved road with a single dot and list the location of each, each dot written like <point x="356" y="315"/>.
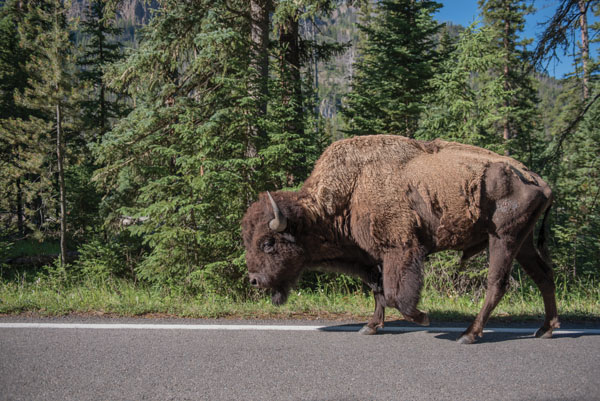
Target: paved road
<point x="177" y="364"/>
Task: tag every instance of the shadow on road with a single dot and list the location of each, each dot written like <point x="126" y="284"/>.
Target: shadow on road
<point x="494" y="337"/>
<point x="452" y="331"/>
<point x="487" y="337"/>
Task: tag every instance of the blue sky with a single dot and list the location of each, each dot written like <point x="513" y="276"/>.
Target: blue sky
<point x="464" y="12"/>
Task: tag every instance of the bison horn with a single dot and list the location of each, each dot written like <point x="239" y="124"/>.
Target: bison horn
<point x="279" y="223"/>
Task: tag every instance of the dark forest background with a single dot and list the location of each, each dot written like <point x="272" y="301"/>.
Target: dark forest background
<point x="134" y="135"/>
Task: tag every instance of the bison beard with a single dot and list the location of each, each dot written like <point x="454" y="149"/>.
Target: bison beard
<point x="279" y="296"/>
<point x="376" y="206"/>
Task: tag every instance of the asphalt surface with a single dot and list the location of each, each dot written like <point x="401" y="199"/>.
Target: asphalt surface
<point x="116" y="364"/>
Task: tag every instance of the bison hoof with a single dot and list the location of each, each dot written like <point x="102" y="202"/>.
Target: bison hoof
<point x="466" y="339"/>
<point x="543" y="332"/>
<point x="419" y="318"/>
<point x="423" y="320"/>
<point x="367" y="331"/>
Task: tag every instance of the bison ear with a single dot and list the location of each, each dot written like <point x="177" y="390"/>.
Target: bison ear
<point x="279" y="222"/>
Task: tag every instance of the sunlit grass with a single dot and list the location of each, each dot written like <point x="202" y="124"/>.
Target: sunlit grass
<point x="124" y="298"/>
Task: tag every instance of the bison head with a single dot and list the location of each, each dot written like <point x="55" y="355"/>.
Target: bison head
<point x="274" y="256"/>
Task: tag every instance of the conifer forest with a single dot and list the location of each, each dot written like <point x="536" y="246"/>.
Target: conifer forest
<point x="134" y="135"/>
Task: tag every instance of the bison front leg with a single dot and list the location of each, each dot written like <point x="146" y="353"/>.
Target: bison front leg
<point x="402" y="282"/>
<point x="374" y="282"/>
<point x="377" y="321"/>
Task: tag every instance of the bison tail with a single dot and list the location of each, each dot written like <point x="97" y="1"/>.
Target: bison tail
<point x="541" y="243"/>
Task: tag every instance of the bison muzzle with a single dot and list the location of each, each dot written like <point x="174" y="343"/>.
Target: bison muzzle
<point x="376" y="206"/>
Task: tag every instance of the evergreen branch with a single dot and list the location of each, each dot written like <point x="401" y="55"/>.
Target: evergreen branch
<point x="564" y="133"/>
<point x="146" y="135"/>
<point x="555" y="33"/>
<point x="236" y="12"/>
<point x="596" y="197"/>
<point x="108" y="169"/>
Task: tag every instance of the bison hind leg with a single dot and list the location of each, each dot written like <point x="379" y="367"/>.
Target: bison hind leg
<point x="540" y="270"/>
<point x="502" y="253"/>
<point x="420" y="318"/>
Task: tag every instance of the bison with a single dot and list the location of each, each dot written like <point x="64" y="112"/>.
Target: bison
<point x="376" y="206"/>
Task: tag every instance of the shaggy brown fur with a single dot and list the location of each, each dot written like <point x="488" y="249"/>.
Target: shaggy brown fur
<point x="376" y="206"/>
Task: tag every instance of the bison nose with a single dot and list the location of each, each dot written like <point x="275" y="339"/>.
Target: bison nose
<point x="253" y="282"/>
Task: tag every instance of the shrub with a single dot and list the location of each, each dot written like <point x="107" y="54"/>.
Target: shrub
<point x="100" y="261"/>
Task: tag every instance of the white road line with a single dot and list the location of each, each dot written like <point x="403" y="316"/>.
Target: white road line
<point x="341" y="328"/>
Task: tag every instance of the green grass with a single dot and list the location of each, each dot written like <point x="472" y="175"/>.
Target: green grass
<point x="124" y="298"/>
<point x="53" y="290"/>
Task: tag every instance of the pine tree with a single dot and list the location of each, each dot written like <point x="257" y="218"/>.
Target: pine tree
<point x="259" y="69"/>
<point x="285" y="153"/>
<point x="394" y="70"/>
<point x="99" y="50"/>
<point x="560" y="33"/>
<point x="593" y="62"/>
<point x="295" y="141"/>
<point x="99" y="108"/>
<point x="584" y="47"/>
<point x="180" y="163"/>
<point x="12" y="60"/>
<point x="459" y="104"/>
<point x="514" y="112"/>
<point x="199" y="144"/>
<point x="13" y="79"/>
<point x="577" y="187"/>
<point x="572" y="160"/>
<point x="44" y="33"/>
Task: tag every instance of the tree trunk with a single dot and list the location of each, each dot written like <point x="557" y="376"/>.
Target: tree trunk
<point x="315" y="66"/>
<point x="290" y="70"/>
<point x="259" y="33"/>
<point x="103" y="106"/>
<point x="61" y="184"/>
<point x="102" y="61"/>
<point x="103" y="112"/>
<point x="585" y="48"/>
<point x="259" y="13"/>
<point x="20" y="219"/>
<point x="291" y="81"/>
<point x="506" y="87"/>
<point x="506" y="72"/>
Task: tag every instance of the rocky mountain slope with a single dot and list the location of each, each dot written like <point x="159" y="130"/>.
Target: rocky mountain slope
<point x="135" y="12"/>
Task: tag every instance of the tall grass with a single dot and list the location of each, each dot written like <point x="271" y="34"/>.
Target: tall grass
<point x="96" y="285"/>
<point x="54" y="295"/>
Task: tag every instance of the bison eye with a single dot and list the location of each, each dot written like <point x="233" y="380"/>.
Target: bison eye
<point x="268" y="245"/>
